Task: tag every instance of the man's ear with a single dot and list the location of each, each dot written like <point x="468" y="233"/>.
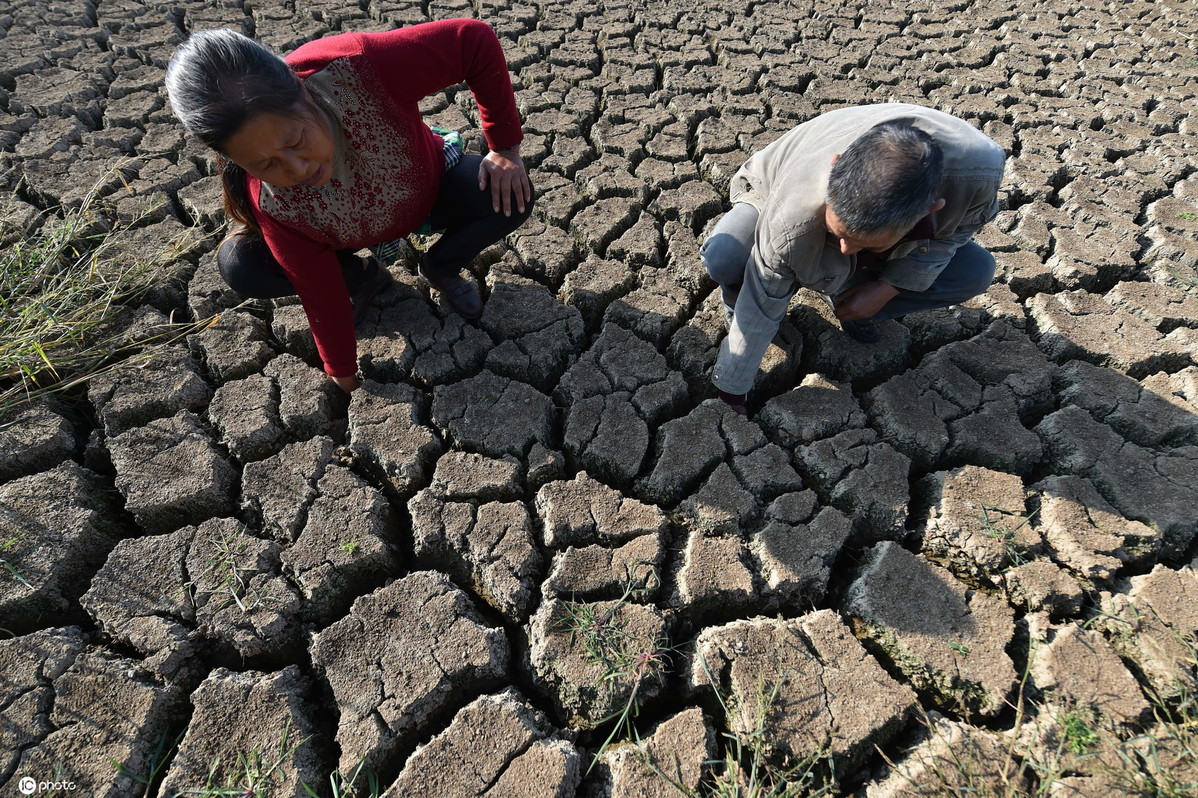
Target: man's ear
<point x="938" y="204"/>
<point x="835" y="157"/>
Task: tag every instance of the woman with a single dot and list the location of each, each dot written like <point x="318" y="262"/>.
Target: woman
<point x="325" y="153"/>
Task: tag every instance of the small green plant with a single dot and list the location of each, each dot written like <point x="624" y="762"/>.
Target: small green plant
<point x="1188" y="216"/>
<point x="158" y="760"/>
<point x="340" y="787"/>
<point x="1078" y="735"/>
<point x="350" y="547"/>
<point x="12" y="569"/>
<point x="960" y="649"/>
<point x="251" y="776"/>
<point x="234" y="582"/>
<point x="621" y="656"/>
<point x="992" y="527"/>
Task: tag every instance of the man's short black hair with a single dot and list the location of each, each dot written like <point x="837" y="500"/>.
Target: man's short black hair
<point x="886" y="180"/>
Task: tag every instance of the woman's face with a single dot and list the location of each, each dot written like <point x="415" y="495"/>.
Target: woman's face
<point x="285" y="149"/>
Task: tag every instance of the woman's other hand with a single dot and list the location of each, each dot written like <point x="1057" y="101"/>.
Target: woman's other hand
<point x="504" y="171"/>
<point x="347" y="384"/>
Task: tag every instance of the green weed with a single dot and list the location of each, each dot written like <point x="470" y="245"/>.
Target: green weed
<point x="12" y="570"/>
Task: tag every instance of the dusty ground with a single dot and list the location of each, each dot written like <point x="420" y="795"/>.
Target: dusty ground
<point x="513" y="529"/>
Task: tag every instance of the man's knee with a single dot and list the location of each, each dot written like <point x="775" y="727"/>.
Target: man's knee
<point x="980" y="274"/>
<point x="724" y="258"/>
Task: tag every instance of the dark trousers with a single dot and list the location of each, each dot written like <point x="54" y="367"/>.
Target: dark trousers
<point x="462" y="214"/>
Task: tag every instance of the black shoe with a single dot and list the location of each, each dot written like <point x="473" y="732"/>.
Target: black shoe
<point x="864" y="330"/>
<point x="459" y="293"/>
<point x="376" y="279"/>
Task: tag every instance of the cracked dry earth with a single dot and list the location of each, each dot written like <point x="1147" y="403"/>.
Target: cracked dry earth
<point x="222" y="557"/>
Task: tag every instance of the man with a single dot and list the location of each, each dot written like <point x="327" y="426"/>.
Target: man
<point x="874" y="207"/>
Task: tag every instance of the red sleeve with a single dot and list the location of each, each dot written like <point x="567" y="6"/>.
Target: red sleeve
<point x="315" y="273"/>
<point x="420" y="60"/>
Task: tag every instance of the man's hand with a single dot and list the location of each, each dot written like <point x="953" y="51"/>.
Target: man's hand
<point x="864" y="300"/>
<point x="347" y="384"/>
<point x="504" y="171"/>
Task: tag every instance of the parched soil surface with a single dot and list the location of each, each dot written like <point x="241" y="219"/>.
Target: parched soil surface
<point x="217" y="565"/>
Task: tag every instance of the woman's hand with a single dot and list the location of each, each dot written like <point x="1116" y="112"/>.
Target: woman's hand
<point x="504" y="171"/>
<point x="347" y="384"/>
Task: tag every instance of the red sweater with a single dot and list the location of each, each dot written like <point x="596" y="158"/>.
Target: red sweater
<point x="387" y="163"/>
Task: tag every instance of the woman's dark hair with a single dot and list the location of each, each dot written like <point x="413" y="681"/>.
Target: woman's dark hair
<point x="886" y="180"/>
<point x="217" y="81"/>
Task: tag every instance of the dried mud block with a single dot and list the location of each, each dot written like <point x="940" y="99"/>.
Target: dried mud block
<point x="778" y="674"/>
<point x="466" y="475"/>
<point x="236" y="346"/>
<point x="598" y="573"/>
<point x="1043" y="586"/>
<point x="714" y="580"/>
<point x="766" y="472"/>
<point x="569" y="644"/>
<point x="34" y="437"/>
<point x="494" y="415"/>
<point x="537" y="335"/>
<point x="132" y="395"/>
<point x="1077" y="325"/>
<point x="496" y="746"/>
<point x="1179" y="389"/>
<point x="654" y="310"/>
<point x="601" y="222"/>
<point x="794" y="558"/>
<point x="721" y="506"/>
<point x="216" y="579"/>
<point x="1089" y="258"/>
<point x="604" y="434"/>
<point x="202" y="200"/>
<point x="280" y="489"/>
<point x="289" y="326"/>
<point x="1153" y="621"/>
<point x="307" y="397"/>
<point x="594" y="285"/>
<point x="1165" y="307"/>
<point x="268" y="714"/>
<point x="609" y="177"/>
<point x="966" y="401"/>
<point x="387" y="431"/>
<point x="948" y="640"/>
<point x="404" y="654"/>
<point x="56" y="528"/>
<point x="816" y="408"/>
<point x="347" y="544"/>
<point x="487" y="546"/>
<point x="977" y="521"/>
<point x="1024" y="272"/>
<point x="640" y="246"/>
<point x="1077" y="669"/>
<point x="1086" y="534"/>
<point x="171" y="473"/>
<point x="952" y="759"/>
<point x="1140" y="414"/>
<point x="840" y="357"/>
<point x="676" y="751"/>
<point x="1160" y="490"/>
<point x="693" y="349"/>
<point x="547" y="253"/>
<point x="692" y="204"/>
<point x="582" y="511"/>
<point x="619" y="361"/>
<point x="688" y="448"/>
<point x="931" y="329"/>
<point x="246" y="412"/>
<point x="28" y="666"/>
<point x="862" y="476"/>
<point x="106" y="710"/>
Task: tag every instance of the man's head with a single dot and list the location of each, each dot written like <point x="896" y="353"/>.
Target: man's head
<point x="884" y="182"/>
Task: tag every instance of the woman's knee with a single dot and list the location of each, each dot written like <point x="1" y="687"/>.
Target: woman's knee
<point x="248" y="267"/>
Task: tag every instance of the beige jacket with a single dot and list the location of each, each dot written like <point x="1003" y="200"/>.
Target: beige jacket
<point x="788" y="180"/>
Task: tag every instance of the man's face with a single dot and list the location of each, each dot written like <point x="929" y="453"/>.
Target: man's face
<point x="855" y="242"/>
